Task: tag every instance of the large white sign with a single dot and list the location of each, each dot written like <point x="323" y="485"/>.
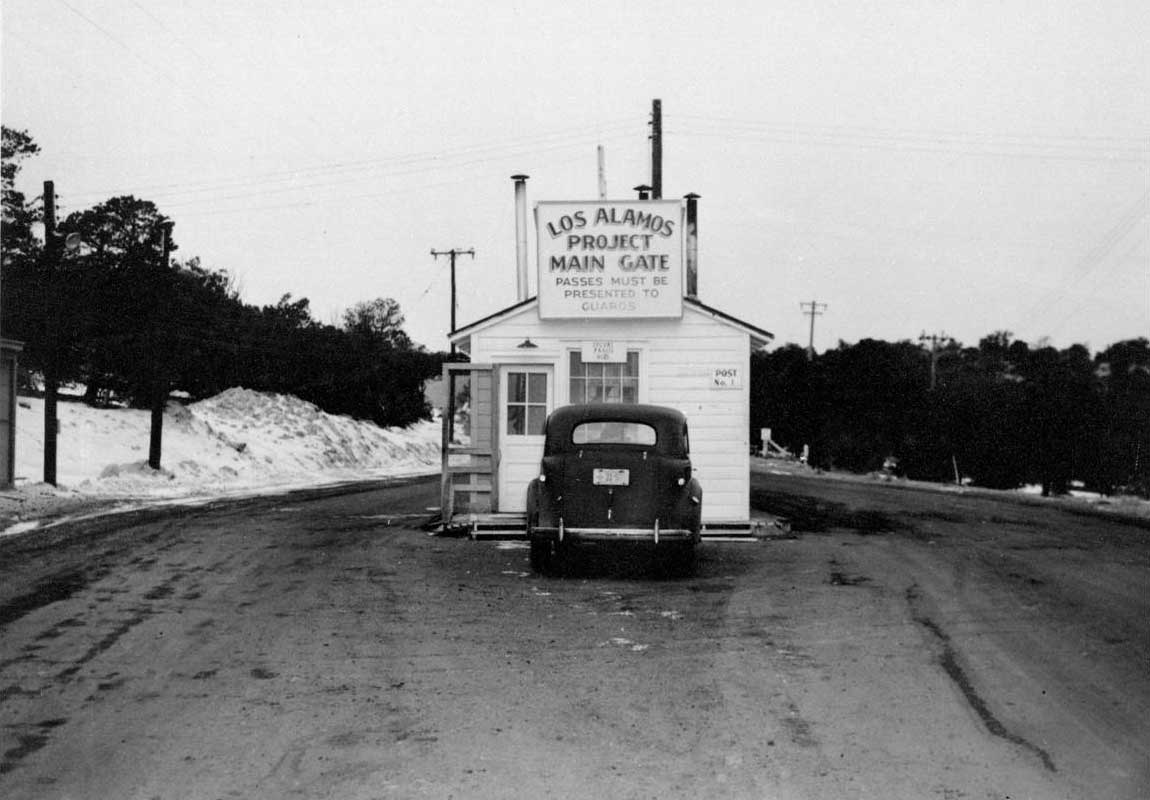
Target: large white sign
<point x="605" y="259"/>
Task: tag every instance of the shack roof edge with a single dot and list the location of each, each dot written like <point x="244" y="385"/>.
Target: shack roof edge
<point x="762" y="337"/>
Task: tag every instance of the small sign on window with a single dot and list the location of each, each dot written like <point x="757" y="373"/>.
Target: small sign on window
<point x="604" y="352"/>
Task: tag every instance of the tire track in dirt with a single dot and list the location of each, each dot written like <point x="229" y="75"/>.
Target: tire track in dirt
<point x="949" y="661"/>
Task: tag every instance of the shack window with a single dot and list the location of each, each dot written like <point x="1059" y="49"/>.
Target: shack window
<point x="593" y="382"/>
<point x="526" y="403"/>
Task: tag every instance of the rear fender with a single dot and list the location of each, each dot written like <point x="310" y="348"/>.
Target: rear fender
<point x="689" y="506"/>
<point x="542" y="509"/>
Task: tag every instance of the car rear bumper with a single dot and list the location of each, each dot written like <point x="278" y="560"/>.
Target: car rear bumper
<point x="654" y="535"/>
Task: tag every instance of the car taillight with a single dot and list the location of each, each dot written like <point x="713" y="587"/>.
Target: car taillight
<point x="684" y="476"/>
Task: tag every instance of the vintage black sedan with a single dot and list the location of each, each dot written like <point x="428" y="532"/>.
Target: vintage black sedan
<point x="613" y="474"/>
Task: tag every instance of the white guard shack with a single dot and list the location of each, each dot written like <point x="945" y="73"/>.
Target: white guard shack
<point x="615" y="319"/>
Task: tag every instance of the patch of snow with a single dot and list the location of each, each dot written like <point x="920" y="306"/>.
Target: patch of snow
<point x="238" y="442"/>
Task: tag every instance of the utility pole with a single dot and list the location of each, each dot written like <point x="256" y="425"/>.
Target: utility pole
<point x="935" y="339"/>
<point x="452" y="253"/>
<point x="656" y="149"/>
<point x="51" y="379"/>
<point x="54" y="247"/>
<point x="160" y="381"/>
<point x="812" y="309"/>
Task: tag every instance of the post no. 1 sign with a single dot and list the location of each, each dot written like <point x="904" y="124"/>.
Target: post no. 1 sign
<point x="607" y="259"/>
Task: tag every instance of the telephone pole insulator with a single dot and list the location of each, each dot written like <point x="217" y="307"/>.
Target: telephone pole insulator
<point x="452" y="253"/>
<point x="812" y="309"/>
<point x="935" y="339"/>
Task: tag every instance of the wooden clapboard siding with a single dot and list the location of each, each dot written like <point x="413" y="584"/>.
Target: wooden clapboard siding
<point x="482" y="426"/>
<point x="678" y="360"/>
<point x="681" y="376"/>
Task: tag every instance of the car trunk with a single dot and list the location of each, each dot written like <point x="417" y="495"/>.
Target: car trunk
<point x="609" y="488"/>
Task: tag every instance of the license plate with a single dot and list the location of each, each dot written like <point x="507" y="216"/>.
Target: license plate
<point x="611" y="477"/>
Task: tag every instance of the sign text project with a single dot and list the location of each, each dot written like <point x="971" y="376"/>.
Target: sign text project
<point x="607" y="259"/>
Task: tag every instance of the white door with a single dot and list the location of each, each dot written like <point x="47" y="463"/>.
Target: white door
<point x="525" y="398"/>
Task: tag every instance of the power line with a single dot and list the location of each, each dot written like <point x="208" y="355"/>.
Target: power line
<point x="921" y="148"/>
<point x="340" y="172"/>
<point x="195" y="95"/>
<point x="176" y="37"/>
<point x="1094" y="257"/>
<point x="390" y="192"/>
<point x="1080" y="303"/>
<point x="1136" y="143"/>
<point x="132" y="52"/>
<point x="320" y="183"/>
<point x="915" y="142"/>
<point x="155" y="70"/>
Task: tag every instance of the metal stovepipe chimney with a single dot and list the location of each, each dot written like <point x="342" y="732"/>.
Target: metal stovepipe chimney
<point x="692" y="288"/>
<point x="520" y="236"/>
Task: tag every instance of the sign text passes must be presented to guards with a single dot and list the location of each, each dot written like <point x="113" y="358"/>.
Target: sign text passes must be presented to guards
<point x="608" y="259"/>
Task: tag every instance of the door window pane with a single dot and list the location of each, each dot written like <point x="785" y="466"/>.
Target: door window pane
<point x="537" y="388"/>
<point x="517" y="387"/>
<point x="526" y="403"/>
<point x="516" y="420"/>
<point x="536" y="416"/>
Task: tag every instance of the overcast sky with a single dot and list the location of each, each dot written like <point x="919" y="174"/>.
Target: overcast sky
<point x="916" y="165"/>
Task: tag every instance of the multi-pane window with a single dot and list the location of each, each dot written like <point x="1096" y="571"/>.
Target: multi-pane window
<point x="594" y="382"/>
<point x="526" y="403"/>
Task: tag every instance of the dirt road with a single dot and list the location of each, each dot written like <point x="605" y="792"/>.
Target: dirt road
<point x="901" y="645"/>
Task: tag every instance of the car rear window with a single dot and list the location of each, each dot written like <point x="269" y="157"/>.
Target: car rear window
<point x="609" y="432"/>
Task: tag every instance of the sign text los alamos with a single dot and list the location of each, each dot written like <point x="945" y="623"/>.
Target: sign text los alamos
<point x="610" y="259"/>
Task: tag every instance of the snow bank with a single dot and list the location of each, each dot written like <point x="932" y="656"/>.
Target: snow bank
<point x="237" y="442"/>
